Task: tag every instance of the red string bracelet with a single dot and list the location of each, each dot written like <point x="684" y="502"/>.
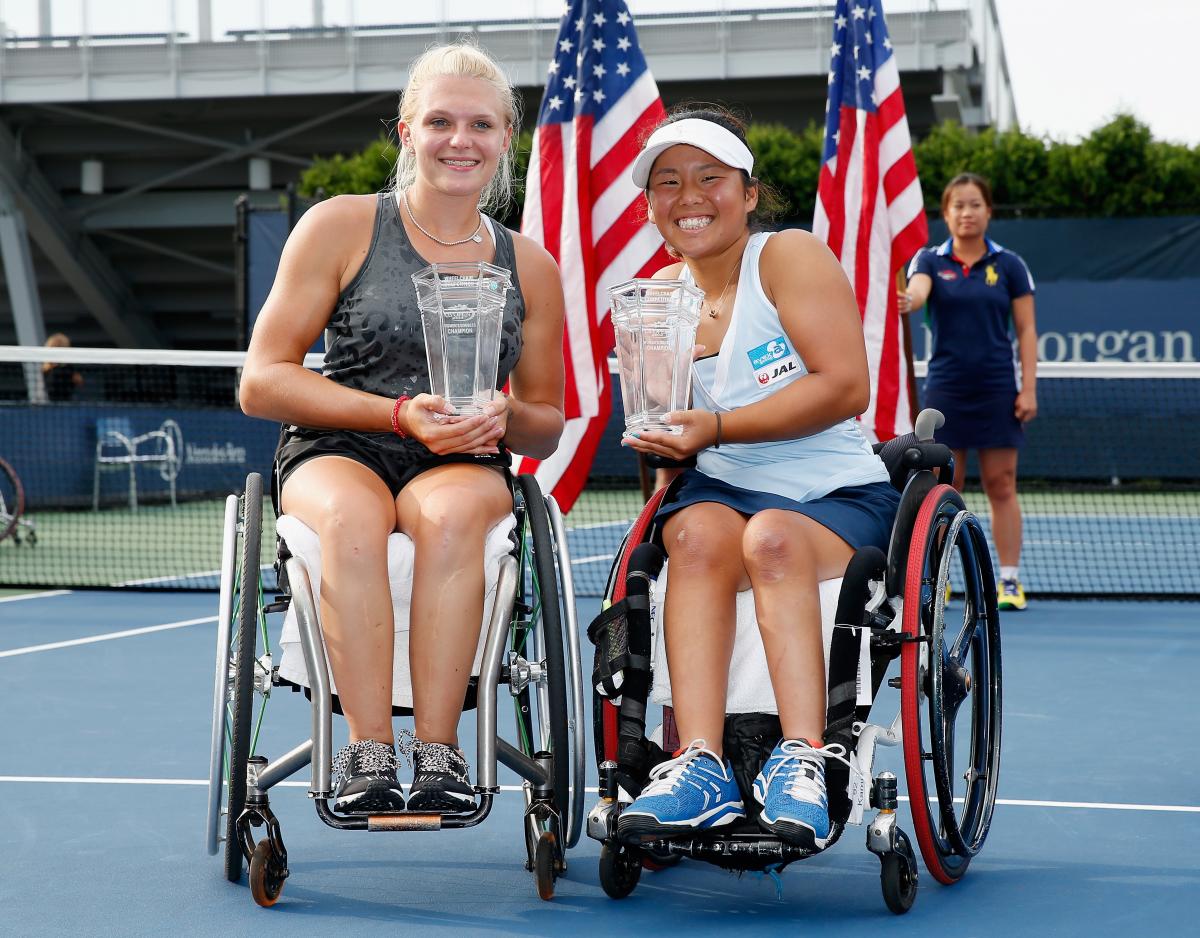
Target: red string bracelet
<point x="396" y="428"/>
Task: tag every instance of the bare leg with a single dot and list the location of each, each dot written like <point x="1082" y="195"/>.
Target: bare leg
<point x="786" y="555"/>
<point x="999" y="470"/>
<point x="960" y="468"/>
<point x="447" y="512"/>
<point x="352" y="512"/>
<point x="705" y="577"/>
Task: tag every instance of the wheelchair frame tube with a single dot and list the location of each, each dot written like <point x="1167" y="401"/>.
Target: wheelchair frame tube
<point x="318" y="678"/>
<point x="221" y="674"/>
<point x="874" y="735"/>
<point x="489" y="672"/>
<point x="579" y="755"/>
<point x="285" y="766"/>
<point x="516" y="760"/>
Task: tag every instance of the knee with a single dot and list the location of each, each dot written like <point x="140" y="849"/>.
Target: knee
<point x="770" y="551"/>
<point x="697" y="548"/>
<point x="453" y="516"/>
<point x="1001" y="485"/>
<point x="353" y="527"/>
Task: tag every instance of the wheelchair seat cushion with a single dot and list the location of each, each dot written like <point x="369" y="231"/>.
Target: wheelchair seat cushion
<point x="750" y="689"/>
<point x="305" y="546"/>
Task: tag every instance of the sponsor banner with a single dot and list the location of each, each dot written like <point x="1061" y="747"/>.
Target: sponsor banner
<point x="208" y="451"/>
<point x="1108" y="321"/>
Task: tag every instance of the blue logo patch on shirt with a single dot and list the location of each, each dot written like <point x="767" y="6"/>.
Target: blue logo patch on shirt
<point x="773" y="361"/>
<point x="769" y="352"/>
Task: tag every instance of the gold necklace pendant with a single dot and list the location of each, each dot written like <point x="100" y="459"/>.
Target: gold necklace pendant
<point x="714" y="311"/>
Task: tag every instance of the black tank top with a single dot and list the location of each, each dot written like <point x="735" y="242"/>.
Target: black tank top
<point x="374" y="340"/>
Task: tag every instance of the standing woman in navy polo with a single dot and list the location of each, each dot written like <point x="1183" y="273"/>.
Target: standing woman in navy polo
<point x="979" y="294"/>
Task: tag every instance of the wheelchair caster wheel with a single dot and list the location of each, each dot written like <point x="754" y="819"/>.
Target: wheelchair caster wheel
<point x="544" y="866"/>
<point x="266" y="876"/>
<point x="898" y="876"/>
<point x="620" y="870"/>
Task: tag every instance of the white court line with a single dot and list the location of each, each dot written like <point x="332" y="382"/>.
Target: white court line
<point x="108" y="636"/>
<point x="43" y="594"/>
<point x="1011" y="802"/>
<point x="607" y="558"/>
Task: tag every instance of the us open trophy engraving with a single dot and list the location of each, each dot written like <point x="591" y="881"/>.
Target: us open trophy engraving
<point x="462" y="311"/>
<point x="654" y="322"/>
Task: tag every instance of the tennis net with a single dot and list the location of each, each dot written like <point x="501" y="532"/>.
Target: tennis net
<point x="125" y="458"/>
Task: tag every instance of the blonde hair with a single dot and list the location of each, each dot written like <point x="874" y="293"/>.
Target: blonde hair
<point x="57" y="340"/>
<point x="461" y="60"/>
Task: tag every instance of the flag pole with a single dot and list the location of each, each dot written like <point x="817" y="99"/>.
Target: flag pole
<point x="906" y="326"/>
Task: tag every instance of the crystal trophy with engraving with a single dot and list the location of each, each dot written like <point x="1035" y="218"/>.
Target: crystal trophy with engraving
<point x="654" y="323"/>
<point x="462" y="312"/>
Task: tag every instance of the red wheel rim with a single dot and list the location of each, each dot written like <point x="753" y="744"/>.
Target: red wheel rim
<point x="910" y="700"/>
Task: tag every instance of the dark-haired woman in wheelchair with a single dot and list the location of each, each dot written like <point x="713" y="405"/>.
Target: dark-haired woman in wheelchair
<point x="366" y="450"/>
<point x="785" y="487"/>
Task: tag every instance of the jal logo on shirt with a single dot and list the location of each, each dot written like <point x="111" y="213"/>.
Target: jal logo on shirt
<point x="773" y="361"/>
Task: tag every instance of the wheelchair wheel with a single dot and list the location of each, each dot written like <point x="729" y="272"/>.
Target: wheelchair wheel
<point x="897" y="875"/>
<point x="12" y="500"/>
<point x="545" y="865"/>
<point x="952" y="658"/>
<point x="247" y="675"/>
<point x="542" y="724"/>
<point x="620" y="869"/>
<point x="265" y="882"/>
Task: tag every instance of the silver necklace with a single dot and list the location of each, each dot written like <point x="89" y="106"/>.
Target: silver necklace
<point x="477" y="237"/>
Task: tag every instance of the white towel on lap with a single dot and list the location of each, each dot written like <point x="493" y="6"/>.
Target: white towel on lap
<point x="750" y="688"/>
<point x="304" y="544"/>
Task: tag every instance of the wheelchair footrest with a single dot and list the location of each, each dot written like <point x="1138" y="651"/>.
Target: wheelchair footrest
<point x="404" y="821"/>
<point x="747" y="849"/>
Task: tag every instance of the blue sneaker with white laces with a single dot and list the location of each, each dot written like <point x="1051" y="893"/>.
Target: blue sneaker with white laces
<point x="791" y="789"/>
<point x="694" y="791"/>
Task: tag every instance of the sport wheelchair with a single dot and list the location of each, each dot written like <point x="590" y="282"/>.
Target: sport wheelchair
<point x="533" y="617"/>
<point x="888" y="607"/>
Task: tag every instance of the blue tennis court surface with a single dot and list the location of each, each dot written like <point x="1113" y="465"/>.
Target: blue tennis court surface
<point x="107" y="704"/>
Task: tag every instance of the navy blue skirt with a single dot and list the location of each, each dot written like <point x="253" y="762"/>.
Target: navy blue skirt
<point x="976" y="419"/>
<point x="860" y="515"/>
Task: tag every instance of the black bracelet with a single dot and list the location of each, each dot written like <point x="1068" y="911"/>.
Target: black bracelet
<point x="717" y="442"/>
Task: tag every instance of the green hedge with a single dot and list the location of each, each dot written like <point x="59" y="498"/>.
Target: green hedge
<point x="1119" y="170"/>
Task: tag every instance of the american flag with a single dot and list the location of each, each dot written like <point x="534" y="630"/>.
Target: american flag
<point x="599" y="104"/>
<point x="869" y="207"/>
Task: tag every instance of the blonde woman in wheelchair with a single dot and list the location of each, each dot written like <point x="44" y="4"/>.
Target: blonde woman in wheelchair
<point x="785" y="489"/>
<point x="366" y="450"/>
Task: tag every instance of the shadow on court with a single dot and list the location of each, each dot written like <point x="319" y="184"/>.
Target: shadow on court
<point x="103" y="778"/>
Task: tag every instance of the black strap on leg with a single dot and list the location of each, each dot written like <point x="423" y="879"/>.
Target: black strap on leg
<point x="867" y="564"/>
<point x="635" y="754"/>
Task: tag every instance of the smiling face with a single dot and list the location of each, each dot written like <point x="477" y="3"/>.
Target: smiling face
<point x="966" y="212"/>
<point x="458" y="133"/>
<point x="699" y="204"/>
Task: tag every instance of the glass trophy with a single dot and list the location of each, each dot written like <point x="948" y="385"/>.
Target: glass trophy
<point x="654" y="323"/>
<point x="462" y="311"/>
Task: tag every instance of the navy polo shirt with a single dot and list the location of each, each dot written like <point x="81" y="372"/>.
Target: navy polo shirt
<point x="970" y="315"/>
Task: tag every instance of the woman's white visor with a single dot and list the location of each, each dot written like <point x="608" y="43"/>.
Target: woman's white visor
<point x="697" y="132"/>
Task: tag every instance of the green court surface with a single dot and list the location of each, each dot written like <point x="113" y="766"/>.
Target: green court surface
<point x="1072" y="540"/>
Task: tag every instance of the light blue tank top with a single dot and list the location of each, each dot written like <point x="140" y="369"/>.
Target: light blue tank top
<point x="757" y="359"/>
